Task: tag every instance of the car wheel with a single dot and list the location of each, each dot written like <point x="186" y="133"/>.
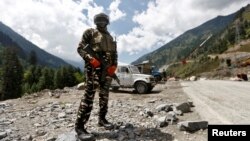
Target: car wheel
<point x="141" y="87"/>
<point x="150" y="88"/>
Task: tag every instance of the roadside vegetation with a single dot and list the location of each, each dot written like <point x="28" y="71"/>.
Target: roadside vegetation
<point x="204" y="64"/>
<point x="19" y="77"/>
<point x="245" y="48"/>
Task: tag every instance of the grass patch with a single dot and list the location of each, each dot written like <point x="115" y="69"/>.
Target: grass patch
<point x="245" y="48"/>
<point x="193" y="68"/>
<point x="246" y="15"/>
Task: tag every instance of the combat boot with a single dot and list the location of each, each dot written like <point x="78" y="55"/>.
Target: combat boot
<point x="104" y="123"/>
<point x="83" y="135"/>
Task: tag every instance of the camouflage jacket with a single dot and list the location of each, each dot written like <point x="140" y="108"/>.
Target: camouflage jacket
<point x="101" y="42"/>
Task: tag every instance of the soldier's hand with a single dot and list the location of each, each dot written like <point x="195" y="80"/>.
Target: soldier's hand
<point x="94" y="63"/>
<point x="111" y="70"/>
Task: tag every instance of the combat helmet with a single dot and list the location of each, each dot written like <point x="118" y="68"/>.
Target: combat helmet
<point x="101" y="18"/>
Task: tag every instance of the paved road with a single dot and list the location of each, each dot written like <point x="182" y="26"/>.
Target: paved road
<point x="220" y="102"/>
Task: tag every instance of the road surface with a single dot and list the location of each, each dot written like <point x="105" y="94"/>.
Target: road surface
<point x="220" y="102"/>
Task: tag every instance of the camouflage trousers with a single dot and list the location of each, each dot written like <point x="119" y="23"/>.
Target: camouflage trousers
<point x="86" y="104"/>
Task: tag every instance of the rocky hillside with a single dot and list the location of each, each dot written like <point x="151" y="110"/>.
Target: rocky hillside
<point x="50" y="115"/>
<point x="23" y="47"/>
<point x="222" y="30"/>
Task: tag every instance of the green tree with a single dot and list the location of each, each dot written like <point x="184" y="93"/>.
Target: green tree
<point x="79" y="77"/>
<point x="231" y="35"/>
<point x="31" y="78"/>
<point x="34" y="88"/>
<point x="65" y="77"/>
<point x="58" y="79"/>
<point x="37" y="73"/>
<point x="28" y="77"/>
<point x="32" y="74"/>
<point x="70" y="79"/>
<point x="26" y="88"/>
<point x="32" y="58"/>
<point x="51" y="78"/>
<point x="12" y="75"/>
<point x="46" y="80"/>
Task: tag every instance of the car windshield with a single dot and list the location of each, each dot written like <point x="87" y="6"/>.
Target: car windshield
<point x="134" y="70"/>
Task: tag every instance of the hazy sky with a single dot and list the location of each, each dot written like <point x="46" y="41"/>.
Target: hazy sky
<point x="140" y="26"/>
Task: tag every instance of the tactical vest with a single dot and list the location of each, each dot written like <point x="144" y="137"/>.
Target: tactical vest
<point x="104" y="45"/>
<point x="102" y="42"/>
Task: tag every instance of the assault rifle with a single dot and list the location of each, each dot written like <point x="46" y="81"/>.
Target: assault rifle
<point x="104" y="64"/>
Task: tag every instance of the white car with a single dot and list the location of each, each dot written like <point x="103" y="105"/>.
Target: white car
<point x="130" y="77"/>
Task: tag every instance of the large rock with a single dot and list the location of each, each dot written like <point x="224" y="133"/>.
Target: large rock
<point x="171" y="117"/>
<point x="1" y="111"/>
<point x="27" y="138"/>
<point x="3" y="105"/>
<point x="192" y="126"/>
<point x="81" y="86"/>
<point x="184" y="107"/>
<point x="162" y="122"/>
<point x="235" y="79"/>
<point x="203" y="78"/>
<point x="61" y="115"/>
<point x="70" y="136"/>
<point x="172" y="79"/>
<point x="193" y="78"/>
<point x="164" y="107"/>
<point x="191" y="104"/>
<point x="148" y="113"/>
<point x="3" y="135"/>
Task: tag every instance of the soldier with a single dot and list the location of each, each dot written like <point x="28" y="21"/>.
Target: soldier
<point x="102" y="43"/>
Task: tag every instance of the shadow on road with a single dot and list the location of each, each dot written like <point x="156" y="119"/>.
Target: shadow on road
<point x="134" y="133"/>
<point x="129" y="91"/>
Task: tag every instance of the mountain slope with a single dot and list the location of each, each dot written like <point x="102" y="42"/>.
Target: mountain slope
<point x="24" y="47"/>
<point x="182" y="46"/>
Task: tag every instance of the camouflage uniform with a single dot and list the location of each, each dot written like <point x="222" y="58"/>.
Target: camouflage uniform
<point x="105" y="47"/>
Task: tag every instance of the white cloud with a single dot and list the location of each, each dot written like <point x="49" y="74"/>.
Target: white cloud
<point x="122" y="63"/>
<point x="55" y="26"/>
<point x="164" y="20"/>
<point x="217" y="4"/>
<point x="115" y="12"/>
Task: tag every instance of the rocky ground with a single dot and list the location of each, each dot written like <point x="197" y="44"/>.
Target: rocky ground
<point x="50" y="115"/>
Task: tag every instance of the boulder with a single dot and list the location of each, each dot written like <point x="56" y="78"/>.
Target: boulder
<point x="171" y="117"/>
<point x="193" y="78"/>
<point x="27" y="138"/>
<point x="184" y="107"/>
<point x="162" y="121"/>
<point x="192" y="126"/>
<point x="3" y="105"/>
<point x="191" y="104"/>
<point x="61" y="115"/>
<point x="70" y="136"/>
<point x="148" y="113"/>
<point x="178" y="112"/>
<point x="203" y="78"/>
<point x="3" y="135"/>
<point x="172" y="79"/>
<point x="164" y="107"/>
<point x="81" y="86"/>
